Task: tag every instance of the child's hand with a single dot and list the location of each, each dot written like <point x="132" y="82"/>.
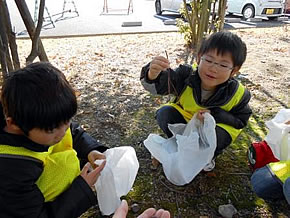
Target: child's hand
<point x="95" y="155"/>
<point x="200" y="114"/>
<point x="92" y="176"/>
<point x="122" y="211"/>
<point x="151" y="212"/>
<point x="158" y="64"/>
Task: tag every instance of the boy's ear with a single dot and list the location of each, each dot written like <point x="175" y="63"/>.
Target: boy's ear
<point x="235" y="70"/>
<point x="11" y="126"/>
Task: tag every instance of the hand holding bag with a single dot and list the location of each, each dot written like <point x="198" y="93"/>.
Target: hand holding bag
<point x="117" y="178"/>
<point x="187" y="152"/>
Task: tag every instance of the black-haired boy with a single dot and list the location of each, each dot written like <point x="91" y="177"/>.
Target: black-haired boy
<point x="210" y="88"/>
<point x="40" y="147"/>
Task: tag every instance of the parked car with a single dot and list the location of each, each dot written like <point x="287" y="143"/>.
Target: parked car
<point x="169" y="5"/>
<point x="251" y="8"/>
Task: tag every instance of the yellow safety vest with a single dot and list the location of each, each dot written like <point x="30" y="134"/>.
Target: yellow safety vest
<point x="60" y="165"/>
<point x="187" y="106"/>
<point x="281" y="169"/>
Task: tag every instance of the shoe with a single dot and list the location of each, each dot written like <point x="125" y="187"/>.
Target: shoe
<point x="155" y="163"/>
<point x="210" y="166"/>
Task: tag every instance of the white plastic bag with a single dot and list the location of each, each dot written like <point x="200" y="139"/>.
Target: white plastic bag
<point x="117" y="178"/>
<point x="187" y="152"/>
<point x="278" y="137"/>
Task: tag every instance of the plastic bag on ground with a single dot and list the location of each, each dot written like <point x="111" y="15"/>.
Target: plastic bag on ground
<point x="278" y="137"/>
<point x="117" y="178"/>
<point x="187" y="152"/>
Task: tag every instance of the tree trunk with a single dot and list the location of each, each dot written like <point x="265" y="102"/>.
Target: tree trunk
<point x="204" y="19"/>
<point x="3" y="61"/>
<point x="11" y="35"/>
<point x="29" y="24"/>
<point x="7" y="64"/>
<point x="221" y="13"/>
<point x="35" y="50"/>
<point x="199" y="22"/>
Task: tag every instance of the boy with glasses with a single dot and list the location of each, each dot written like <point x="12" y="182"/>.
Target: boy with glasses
<point x="210" y="88"/>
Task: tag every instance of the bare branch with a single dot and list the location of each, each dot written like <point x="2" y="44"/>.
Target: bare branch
<point x="11" y="35"/>
<point x="34" y="50"/>
<point x="3" y="60"/>
<point x="4" y="41"/>
<point x="29" y="24"/>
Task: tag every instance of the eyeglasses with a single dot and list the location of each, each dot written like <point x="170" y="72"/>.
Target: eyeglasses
<point x="219" y="66"/>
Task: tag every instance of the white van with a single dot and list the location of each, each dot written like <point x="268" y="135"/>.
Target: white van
<point x="169" y="5"/>
<point x="248" y="8"/>
<point x="251" y="8"/>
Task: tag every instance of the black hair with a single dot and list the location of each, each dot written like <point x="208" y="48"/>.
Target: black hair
<point x="38" y="96"/>
<point x="225" y="42"/>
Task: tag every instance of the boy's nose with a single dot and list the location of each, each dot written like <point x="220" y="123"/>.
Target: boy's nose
<point x="214" y="67"/>
<point x="63" y="130"/>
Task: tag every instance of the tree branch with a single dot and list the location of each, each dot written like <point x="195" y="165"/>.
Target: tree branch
<point x="29" y="24"/>
<point x="3" y="60"/>
<point x="7" y="67"/>
<point x="35" y="50"/>
<point x="10" y="35"/>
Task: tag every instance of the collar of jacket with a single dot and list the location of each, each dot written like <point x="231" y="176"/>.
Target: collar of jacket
<point x="20" y="141"/>
<point x="17" y="140"/>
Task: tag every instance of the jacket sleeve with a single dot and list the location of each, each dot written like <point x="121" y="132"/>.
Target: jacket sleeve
<point x="76" y="200"/>
<point x="160" y="85"/>
<point x="238" y="116"/>
<point x="83" y="143"/>
<point x="20" y="196"/>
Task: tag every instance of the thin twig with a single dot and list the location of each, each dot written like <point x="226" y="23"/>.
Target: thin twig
<point x="169" y="83"/>
<point x="177" y="205"/>
<point x="172" y="189"/>
<point x="180" y="192"/>
<point x="166" y="54"/>
<point x="168" y="79"/>
<point x="245" y="174"/>
<point x="233" y="193"/>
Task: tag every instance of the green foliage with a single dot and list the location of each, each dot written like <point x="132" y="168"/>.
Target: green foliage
<point x="200" y="19"/>
<point x="184" y="29"/>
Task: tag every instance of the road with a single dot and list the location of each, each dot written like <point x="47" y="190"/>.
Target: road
<point x="91" y="19"/>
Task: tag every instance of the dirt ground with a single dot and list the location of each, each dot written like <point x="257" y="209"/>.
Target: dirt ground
<point x="115" y="109"/>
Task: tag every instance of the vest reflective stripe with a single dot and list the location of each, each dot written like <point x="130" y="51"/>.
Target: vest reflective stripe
<point x="186" y="114"/>
<point x="60" y="165"/>
<point x="187" y="106"/>
<point x="235" y="99"/>
<point x="281" y="169"/>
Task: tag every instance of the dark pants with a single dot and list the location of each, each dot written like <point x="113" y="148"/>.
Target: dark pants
<point x="268" y="186"/>
<point x="169" y="115"/>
